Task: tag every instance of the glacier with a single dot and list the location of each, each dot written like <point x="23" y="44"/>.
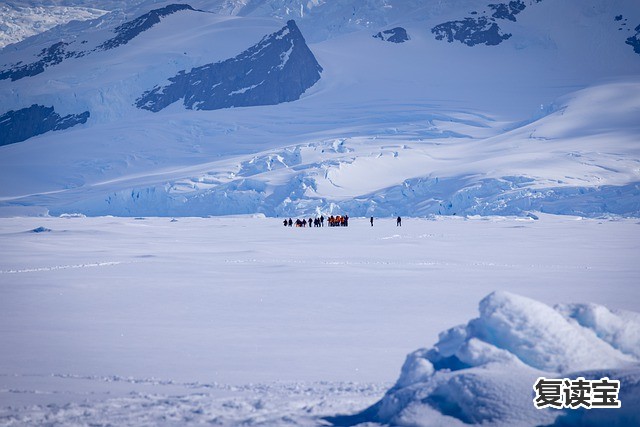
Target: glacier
<point x="536" y="123"/>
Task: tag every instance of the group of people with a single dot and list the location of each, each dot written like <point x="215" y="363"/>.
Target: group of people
<point x="338" y="221"/>
<point x="333" y="221"/>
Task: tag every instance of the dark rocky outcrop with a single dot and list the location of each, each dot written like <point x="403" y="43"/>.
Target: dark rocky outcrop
<point x="394" y="35"/>
<point x="20" y="125"/>
<point x="507" y="10"/>
<point x="131" y="29"/>
<point x="60" y="51"/>
<point x="52" y="55"/>
<point x="634" y="41"/>
<point x="483" y="30"/>
<point x="471" y="31"/>
<point x="280" y="68"/>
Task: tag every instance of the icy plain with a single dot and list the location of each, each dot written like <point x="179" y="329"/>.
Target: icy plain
<point x="147" y="321"/>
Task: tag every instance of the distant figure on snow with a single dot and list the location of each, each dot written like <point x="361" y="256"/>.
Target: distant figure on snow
<point x="399" y="222"/>
<point x="371" y="220"/>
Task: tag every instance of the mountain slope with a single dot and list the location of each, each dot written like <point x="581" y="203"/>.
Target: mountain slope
<point x="544" y="120"/>
<point x="278" y="69"/>
<point x="19" y="21"/>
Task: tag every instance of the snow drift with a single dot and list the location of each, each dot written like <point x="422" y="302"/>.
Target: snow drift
<point x="483" y="372"/>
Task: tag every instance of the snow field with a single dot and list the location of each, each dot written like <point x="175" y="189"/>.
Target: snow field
<point x="458" y="110"/>
<point x="97" y="308"/>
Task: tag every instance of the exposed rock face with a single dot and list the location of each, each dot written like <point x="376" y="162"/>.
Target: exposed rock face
<point x="280" y="68"/>
<point x="394" y="35"/>
<point x="20" y="125"/>
<point x="634" y="41"/>
<point x="60" y="51"/>
<point x="471" y="31"/>
<point x="507" y="10"/>
<point x="50" y="56"/>
<point x="482" y="29"/>
<point x="130" y="30"/>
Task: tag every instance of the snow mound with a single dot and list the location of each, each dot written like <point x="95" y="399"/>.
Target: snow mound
<point x="483" y="372"/>
<point x="535" y="333"/>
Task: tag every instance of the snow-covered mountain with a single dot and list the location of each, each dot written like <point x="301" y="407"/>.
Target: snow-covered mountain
<point x="375" y="107"/>
<point x="19" y="21"/>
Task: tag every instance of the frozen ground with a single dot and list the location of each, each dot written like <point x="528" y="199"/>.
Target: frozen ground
<point x="238" y="320"/>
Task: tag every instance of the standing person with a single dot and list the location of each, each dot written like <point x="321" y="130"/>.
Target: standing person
<point x="290" y="223"/>
<point x="371" y="220"/>
<point x="399" y="222"/>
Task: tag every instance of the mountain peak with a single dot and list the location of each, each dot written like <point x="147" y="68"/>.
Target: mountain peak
<point x="280" y="68"/>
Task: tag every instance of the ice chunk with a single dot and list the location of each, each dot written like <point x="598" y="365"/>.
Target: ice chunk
<point x="484" y="372"/>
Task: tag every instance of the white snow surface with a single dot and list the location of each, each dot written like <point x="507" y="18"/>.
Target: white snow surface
<point x="239" y="320"/>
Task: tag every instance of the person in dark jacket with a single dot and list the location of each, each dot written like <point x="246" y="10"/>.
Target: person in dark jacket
<point x="399" y="222"/>
<point x="371" y="220"/>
